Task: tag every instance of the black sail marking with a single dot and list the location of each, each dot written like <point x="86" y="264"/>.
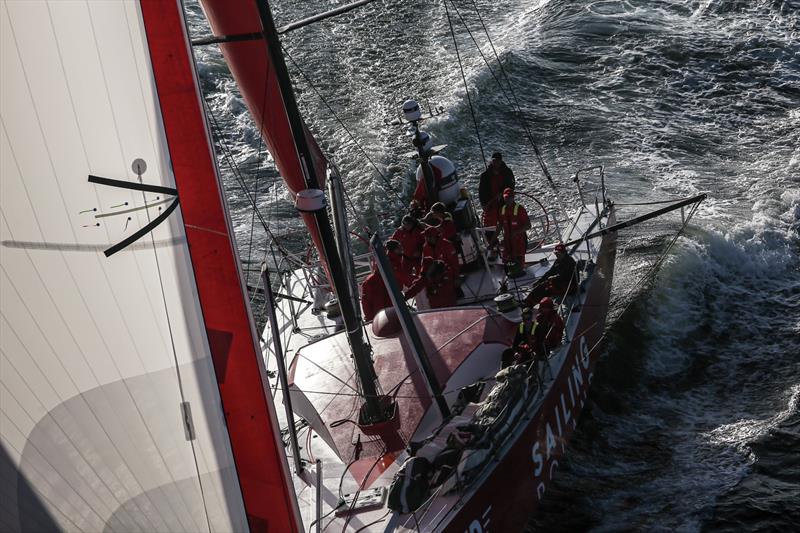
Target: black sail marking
<point x="144" y="231"/>
<point x="144" y="187"/>
<point x="120" y="184"/>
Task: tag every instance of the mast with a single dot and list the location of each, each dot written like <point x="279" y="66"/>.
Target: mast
<point x="313" y="202"/>
<point x="422" y="142"/>
<point x="340" y="227"/>
<point x="427" y="171"/>
<point x="250" y="417"/>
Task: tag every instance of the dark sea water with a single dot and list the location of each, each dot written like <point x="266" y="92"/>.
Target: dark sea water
<point x="693" y="421"/>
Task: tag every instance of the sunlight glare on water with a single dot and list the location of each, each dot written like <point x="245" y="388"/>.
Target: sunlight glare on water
<point x="693" y="419"/>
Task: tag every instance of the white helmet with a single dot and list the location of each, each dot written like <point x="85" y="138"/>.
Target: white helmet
<point x="443" y="169"/>
<point x="411" y="110"/>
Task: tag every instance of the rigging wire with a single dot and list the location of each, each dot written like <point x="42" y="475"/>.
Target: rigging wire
<point x="651" y="273"/>
<point x="179" y="378"/>
<point x="515" y="104"/>
<point x="536" y="151"/>
<point x="258" y="176"/>
<point x="360" y="487"/>
<point x="261" y="143"/>
<point x="343" y="125"/>
<point x="233" y="165"/>
<point x="253" y="219"/>
<point x="466" y="87"/>
<point x="486" y="61"/>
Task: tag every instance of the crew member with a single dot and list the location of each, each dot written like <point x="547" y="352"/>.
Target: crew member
<point x="449" y="231"/>
<point x="444" y="220"/>
<point x="374" y="295"/>
<point x="439" y="286"/>
<point x="493" y="181"/>
<point x="394" y="251"/>
<point x="523" y="334"/>
<point x="560" y="279"/>
<point x="416" y="209"/>
<point x="535" y="337"/>
<point x="409" y="234"/>
<point x="438" y="248"/>
<point x="515" y="223"/>
<point x="547" y="329"/>
<point x="520" y="350"/>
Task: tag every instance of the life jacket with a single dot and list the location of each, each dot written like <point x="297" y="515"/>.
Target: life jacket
<point x="516" y="209"/>
<point x="524" y="331"/>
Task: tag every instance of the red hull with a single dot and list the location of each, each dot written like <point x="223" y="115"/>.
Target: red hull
<point x="512" y="492"/>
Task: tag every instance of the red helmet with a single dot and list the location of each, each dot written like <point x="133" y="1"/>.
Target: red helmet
<point x="560" y="247"/>
<point x="546" y="303"/>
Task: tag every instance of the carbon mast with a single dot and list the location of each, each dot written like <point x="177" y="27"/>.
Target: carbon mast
<point x="312" y="200"/>
<point x="422" y="142"/>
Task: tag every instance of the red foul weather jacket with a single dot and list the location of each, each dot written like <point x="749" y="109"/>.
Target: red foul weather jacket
<point x="374" y="296"/>
<point x="398" y="267"/>
<point x="412" y="242"/>
<point x="441" y="291"/>
<point x="445" y="251"/>
<point x="512" y="220"/>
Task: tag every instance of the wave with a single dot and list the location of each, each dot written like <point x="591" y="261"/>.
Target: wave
<point x="700" y="370"/>
<point x="693" y="409"/>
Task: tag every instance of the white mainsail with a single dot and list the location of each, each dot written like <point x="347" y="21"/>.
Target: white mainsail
<point x="99" y="354"/>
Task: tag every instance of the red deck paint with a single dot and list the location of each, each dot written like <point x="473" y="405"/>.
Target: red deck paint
<point x="449" y="337"/>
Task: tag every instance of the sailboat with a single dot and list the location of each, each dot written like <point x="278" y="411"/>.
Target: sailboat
<point x="135" y="389"/>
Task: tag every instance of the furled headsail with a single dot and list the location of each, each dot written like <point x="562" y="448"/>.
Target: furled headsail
<point x="133" y="393"/>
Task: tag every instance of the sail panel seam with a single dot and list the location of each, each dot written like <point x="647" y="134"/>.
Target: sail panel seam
<point x="68" y="269"/>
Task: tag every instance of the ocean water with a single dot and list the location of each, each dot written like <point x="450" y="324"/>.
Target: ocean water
<point x="693" y="421"/>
